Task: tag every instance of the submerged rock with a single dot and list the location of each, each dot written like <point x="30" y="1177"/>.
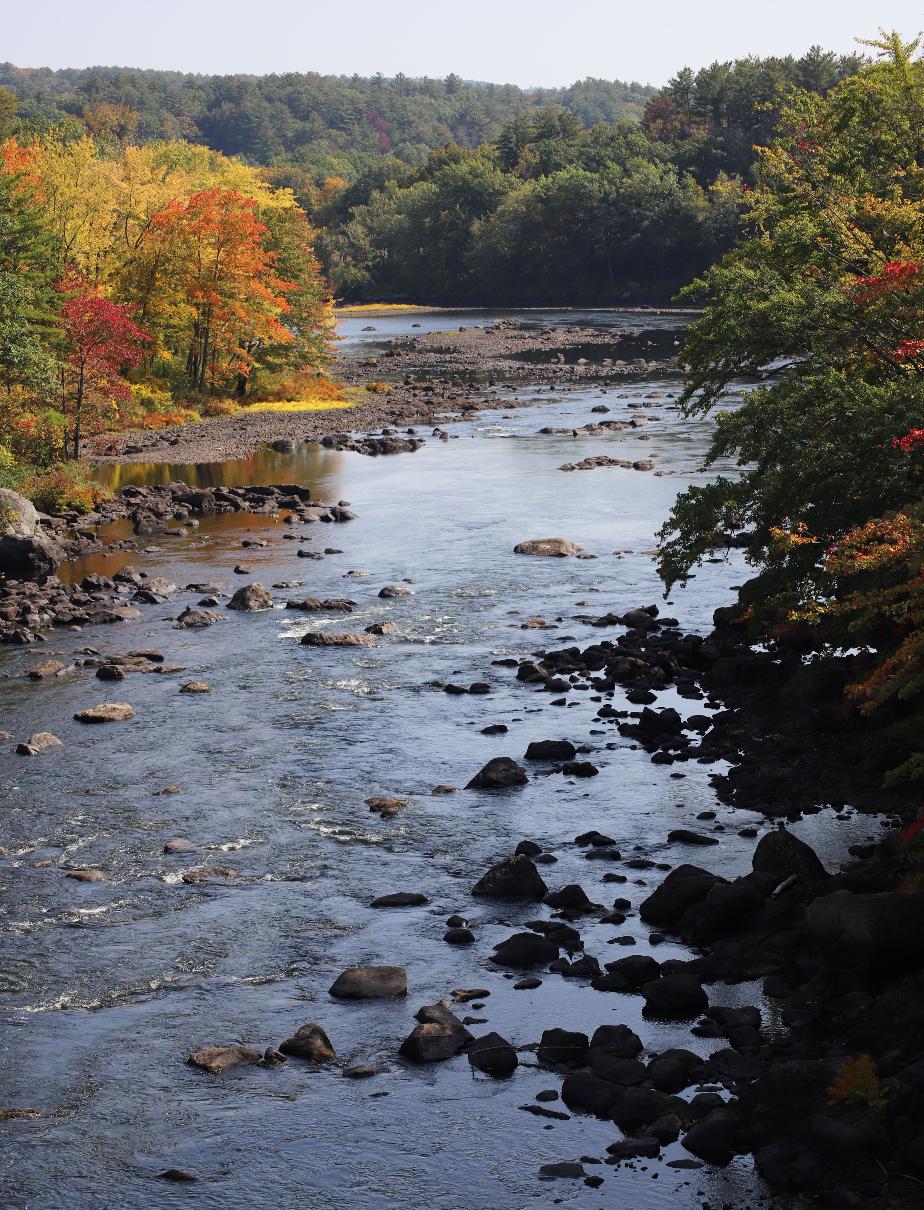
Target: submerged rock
<point x="216" y="1059"/>
<point x="331" y="638"/>
<point x="370" y="983"/>
<point x="105" y="712"/>
<point x="554" y="547"/>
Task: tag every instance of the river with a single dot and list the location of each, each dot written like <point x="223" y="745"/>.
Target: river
<point x="107" y="987"/>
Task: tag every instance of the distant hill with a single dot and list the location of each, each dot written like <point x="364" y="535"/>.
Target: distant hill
<point x="326" y="124"/>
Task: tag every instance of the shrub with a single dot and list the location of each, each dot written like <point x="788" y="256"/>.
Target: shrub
<point x="856" y="1083"/>
<point x="219" y="407"/>
<point x="66" y="486"/>
<point x="378" y="388"/>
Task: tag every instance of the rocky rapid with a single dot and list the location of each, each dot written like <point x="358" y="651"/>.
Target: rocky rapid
<point x="379" y="868"/>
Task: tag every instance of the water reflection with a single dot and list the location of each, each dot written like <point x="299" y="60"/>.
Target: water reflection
<point x="308" y="464"/>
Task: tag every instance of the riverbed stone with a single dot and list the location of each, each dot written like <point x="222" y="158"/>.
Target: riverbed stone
<point x="331" y="638"/>
<point x="400" y="899"/>
<point x="551" y="749"/>
<point x="309" y="1042"/>
<point x="251" y="598"/>
<point x="558" y="548"/>
<point x="498" y="774"/>
<point x="493" y="1055"/>
<point x="41" y="741"/>
<point x="523" y="951"/>
<point x="105" y="712"/>
<point x="370" y="983"/>
<point x="514" y="878"/>
<point x="216" y="1059"/>
<point x="26" y="551"/>
<point x="674" y="997"/>
<point x="195" y="687"/>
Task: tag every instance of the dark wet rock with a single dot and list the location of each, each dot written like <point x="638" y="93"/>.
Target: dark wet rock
<point x="439" y="1036"/>
<point x="626" y="1072"/>
<point x="869" y="932"/>
<point x="674" y="997"/>
<point x="584" y="1092"/>
<point x="459" y="936"/>
<point x="674" y="1070"/>
<point x="551" y="749"/>
<point x="646" y="1146"/>
<point x="686" y="836"/>
<point x="35" y="745"/>
<point x="492" y="1054"/>
<point x="216" y="1059"/>
<point x="565" y="1170"/>
<point x="309" y="1042"/>
<point x="683" y="887"/>
<point x="105" y="712"/>
<point x="365" y="1071"/>
<point x="595" y="839"/>
<point x="498" y="774"/>
<point x="251" y="598"/>
<point x="572" y="896"/>
<point x="635" y="970"/>
<point x="579" y="768"/>
<point x="617" y="1040"/>
<point x="780" y="855"/>
<point x="209" y="873"/>
<point x="370" y="983"/>
<point x="666" y="1129"/>
<point x="444" y="789"/>
<point x="562" y="1048"/>
<point x="728" y="908"/>
<point x="586" y="967"/>
<point x="715" y="1138"/>
<point x="514" y="878"/>
<point x="635" y="1108"/>
<point x="382" y="628"/>
<point x="400" y="899"/>
<point x="527" y="985"/>
<point x="391" y="591"/>
<point x="528" y="848"/>
<point x="330" y="638"/>
<point x="197" y="619"/>
<point x="525" y="950"/>
<point x="179" y="1175"/>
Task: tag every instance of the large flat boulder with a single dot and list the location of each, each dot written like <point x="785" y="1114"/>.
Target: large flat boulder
<point x="370" y="983"/>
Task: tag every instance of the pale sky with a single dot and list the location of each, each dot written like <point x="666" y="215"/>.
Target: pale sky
<point x="539" y="42"/>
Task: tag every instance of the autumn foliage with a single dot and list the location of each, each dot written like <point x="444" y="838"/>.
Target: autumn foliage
<point x="139" y="283"/>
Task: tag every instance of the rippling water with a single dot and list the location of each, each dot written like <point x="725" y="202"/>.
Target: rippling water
<point x="106" y="987"/>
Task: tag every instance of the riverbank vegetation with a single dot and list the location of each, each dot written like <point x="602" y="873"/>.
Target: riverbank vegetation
<point x="141" y="286"/>
<point x="824" y="300"/>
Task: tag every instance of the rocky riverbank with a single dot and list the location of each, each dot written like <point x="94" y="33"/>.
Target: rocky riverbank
<point x="416" y="382"/>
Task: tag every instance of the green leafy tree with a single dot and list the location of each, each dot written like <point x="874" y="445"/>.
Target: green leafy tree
<point x="823" y="303"/>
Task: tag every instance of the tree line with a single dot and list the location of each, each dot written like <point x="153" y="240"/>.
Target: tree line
<point x="144" y="286"/>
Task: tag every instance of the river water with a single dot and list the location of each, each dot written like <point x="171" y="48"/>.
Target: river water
<point x="105" y="988"/>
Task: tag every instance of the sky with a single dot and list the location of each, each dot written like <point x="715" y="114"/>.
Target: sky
<point x="539" y="42"/>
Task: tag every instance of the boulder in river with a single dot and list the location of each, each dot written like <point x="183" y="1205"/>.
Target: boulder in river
<point x="105" y="712"/>
<point x="370" y="983"/>
<point x="216" y="1059"/>
<point x="551" y="749"/>
<point x="498" y="774"/>
<point x="195" y="687"/>
<point x="251" y="598"/>
<point x="391" y="591"/>
<point x="559" y="548"/>
<point x="400" y="899"/>
<point x="309" y="1042"/>
<point x="780" y="855"/>
<point x="514" y="878"/>
<point x="40" y="742"/>
<point x="674" y="997"/>
<point x="523" y="951"/>
<point x="493" y="1055"/>
<point x="683" y="887"/>
<point x="869" y="932"/>
<point x="26" y="551"/>
<point x="331" y="638"/>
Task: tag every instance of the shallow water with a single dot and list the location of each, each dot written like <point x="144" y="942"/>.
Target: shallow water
<point x="107" y="987"/>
